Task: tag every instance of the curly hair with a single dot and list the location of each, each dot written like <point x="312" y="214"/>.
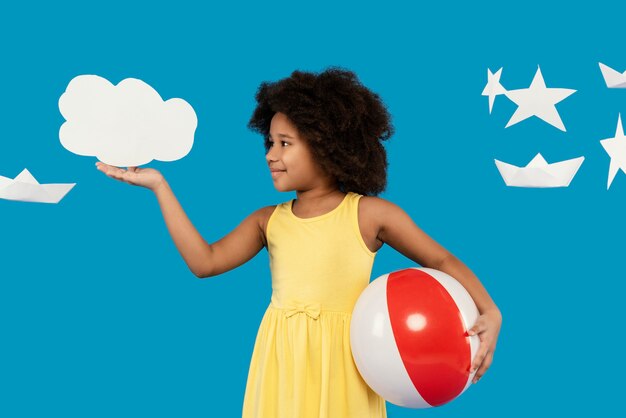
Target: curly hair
<point x="342" y="121"/>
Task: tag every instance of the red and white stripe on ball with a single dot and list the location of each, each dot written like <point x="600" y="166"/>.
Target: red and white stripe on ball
<point x="419" y="332"/>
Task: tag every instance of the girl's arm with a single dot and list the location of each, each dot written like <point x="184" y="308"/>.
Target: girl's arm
<point x="203" y="259"/>
<point x="396" y="228"/>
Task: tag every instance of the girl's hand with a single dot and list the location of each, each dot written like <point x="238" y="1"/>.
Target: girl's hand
<point x="144" y="177"/>
<point x="487" y="327"/>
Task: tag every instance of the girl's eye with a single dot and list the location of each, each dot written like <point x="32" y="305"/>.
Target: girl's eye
<point x="271" y="143"/>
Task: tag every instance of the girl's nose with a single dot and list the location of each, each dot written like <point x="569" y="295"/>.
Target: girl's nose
<point x="271" y="155"/>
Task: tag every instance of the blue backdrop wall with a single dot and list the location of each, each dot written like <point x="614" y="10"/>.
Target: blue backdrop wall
<point x="100" y="316"/>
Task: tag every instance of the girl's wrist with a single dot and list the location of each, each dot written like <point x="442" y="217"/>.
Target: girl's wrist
<point x="160" y="186"/>
<point x="494" y="311"/>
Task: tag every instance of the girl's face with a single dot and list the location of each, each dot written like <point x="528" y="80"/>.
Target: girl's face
<point x="290" y="160"/>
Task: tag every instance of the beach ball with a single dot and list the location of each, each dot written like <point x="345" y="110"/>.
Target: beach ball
<point x="409" y="339"/>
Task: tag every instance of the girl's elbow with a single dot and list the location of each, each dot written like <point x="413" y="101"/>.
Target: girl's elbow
<point x="202" y="273"/>
<point x="202" y="267"/>
<point x="444" y="260"/>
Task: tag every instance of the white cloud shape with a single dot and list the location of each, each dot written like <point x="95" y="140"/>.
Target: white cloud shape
<point x="124" y="125"/>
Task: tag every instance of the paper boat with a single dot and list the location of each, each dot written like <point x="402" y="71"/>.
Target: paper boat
<point x="538" y="173"/>
<point x="25" y="188"/>
<point x="613" y="79"/>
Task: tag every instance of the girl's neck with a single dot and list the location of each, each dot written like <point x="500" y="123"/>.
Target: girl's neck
<point x="311" y="201"/>
<point x="318" y="195"/>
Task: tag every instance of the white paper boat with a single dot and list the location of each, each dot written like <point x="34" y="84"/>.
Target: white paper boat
<point x="538" y="173"/>
<point x="25" y="188"/>
<point x="613" y="79"/>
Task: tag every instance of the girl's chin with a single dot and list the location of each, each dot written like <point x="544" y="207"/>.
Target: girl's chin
<point x="281" y="188"/>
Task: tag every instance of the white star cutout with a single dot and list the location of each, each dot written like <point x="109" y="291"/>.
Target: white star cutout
<point x="493" y="87"/>
<point x="538" y="100"/>
<point x="616" y="148"/>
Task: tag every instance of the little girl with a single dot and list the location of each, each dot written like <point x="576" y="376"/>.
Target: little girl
<point x="323" y="135"/>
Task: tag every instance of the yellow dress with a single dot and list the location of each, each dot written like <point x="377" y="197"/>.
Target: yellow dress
<point x="302" y="365"/>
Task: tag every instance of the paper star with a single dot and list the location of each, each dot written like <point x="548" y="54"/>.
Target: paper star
<point x="538" y="100"/>
<point x="616" y="148"/>
<point x="493" y="87"/>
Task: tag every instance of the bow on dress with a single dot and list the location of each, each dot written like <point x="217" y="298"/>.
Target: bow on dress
<point x="311" y="309"/>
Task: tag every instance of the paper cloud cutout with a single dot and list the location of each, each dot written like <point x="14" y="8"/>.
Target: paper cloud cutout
<point x="124" y="125"/>
<point x="538" y="173"/>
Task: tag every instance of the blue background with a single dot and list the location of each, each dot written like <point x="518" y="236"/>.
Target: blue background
<point x="99" y="315"/>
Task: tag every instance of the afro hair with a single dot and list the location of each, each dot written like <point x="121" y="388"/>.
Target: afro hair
<point x="342" y="121"/>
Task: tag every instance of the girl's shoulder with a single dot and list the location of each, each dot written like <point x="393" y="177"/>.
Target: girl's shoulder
<point x="372" y="213"/>
<point x="262" y="216"/>
<point x="376" y="212"/>
<point x="373" y="207"/>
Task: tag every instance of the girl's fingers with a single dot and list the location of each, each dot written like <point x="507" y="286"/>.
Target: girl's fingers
<point x="116" y="172"/>
<point x="478" y="327"/>
<point x="101" y="166"/>
<point x="132" y="175"/>
<point x="105" y="168"/>
<point x="480" y="356"/>
<point x="486" y="327"/>
<point x="111" y="171"/>
<point x="483" y="367"/>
